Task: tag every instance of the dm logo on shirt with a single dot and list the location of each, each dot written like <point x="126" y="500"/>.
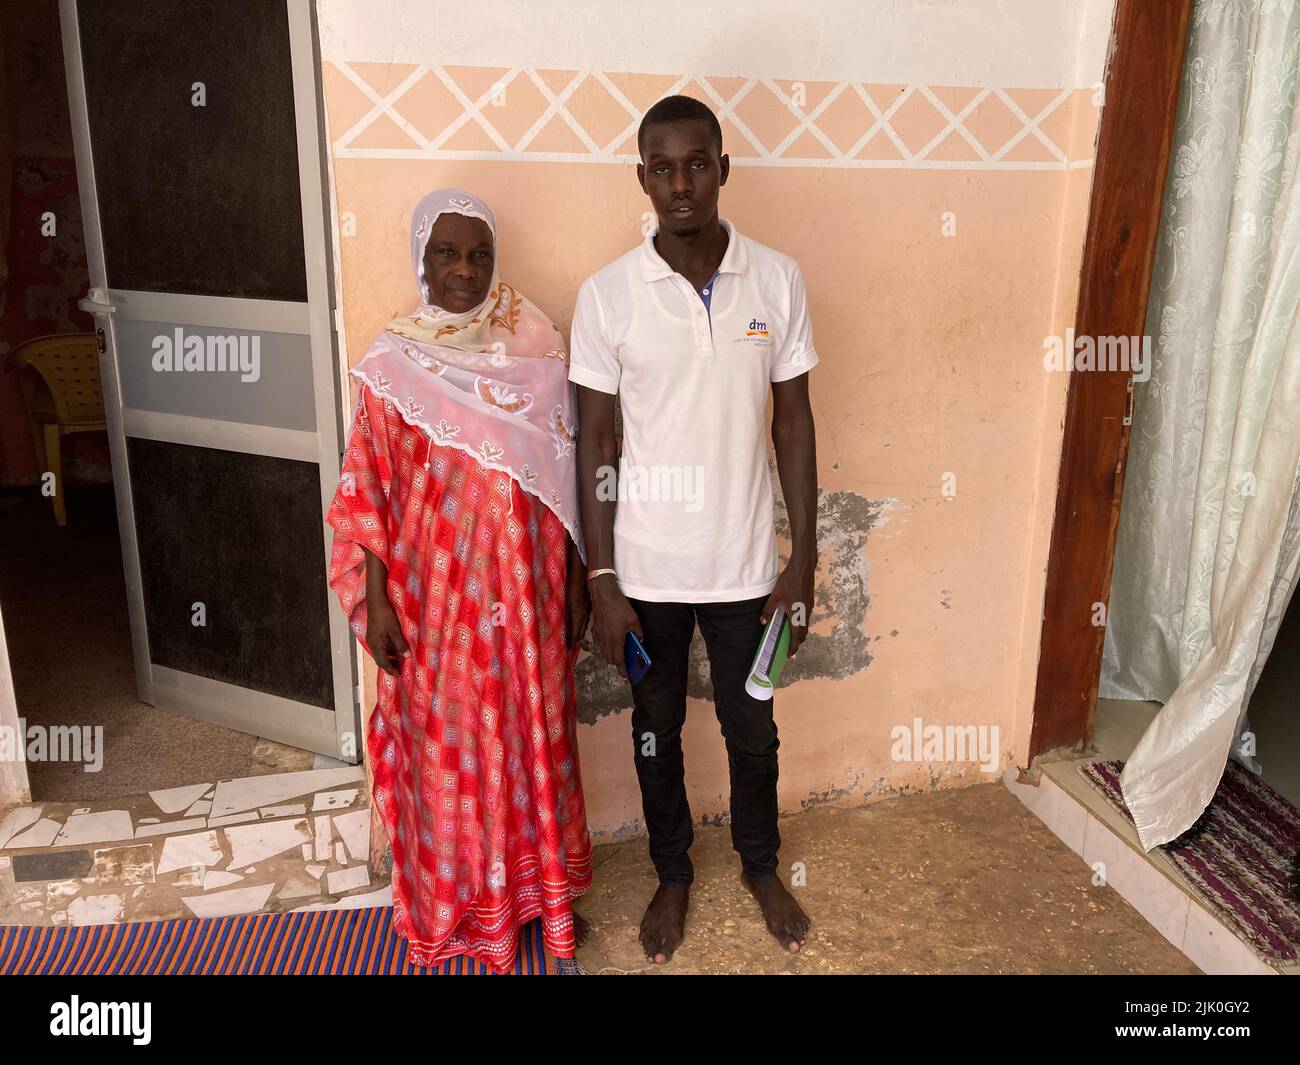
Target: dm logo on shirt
<point x="755" y="333"/>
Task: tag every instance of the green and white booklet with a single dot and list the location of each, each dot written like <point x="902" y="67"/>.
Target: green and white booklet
<point x="765" y="673"/>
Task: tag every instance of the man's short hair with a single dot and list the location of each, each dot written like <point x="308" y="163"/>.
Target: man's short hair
<point x="679" y="109"/>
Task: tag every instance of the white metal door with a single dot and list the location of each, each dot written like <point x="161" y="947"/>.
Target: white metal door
<point x="199" y="162"/>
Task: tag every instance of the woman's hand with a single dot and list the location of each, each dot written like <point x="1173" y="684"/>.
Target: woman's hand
<point x="612" y="616"/>
<point x="577" y="607"/>
<point x="384" y="637"/>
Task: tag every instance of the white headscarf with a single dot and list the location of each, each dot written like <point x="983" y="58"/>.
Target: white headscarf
<point x="427" y="212"/>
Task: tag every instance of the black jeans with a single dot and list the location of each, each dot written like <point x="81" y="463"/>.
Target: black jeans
<point x="732" y="632"/>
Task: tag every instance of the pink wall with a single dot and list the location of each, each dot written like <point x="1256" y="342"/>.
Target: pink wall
<point x="931" y="344"/>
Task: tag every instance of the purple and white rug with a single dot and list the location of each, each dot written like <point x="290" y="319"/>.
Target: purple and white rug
<point x="1238" y="858"/>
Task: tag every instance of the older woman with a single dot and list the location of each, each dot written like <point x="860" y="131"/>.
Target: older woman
<point x="458" y="560"/>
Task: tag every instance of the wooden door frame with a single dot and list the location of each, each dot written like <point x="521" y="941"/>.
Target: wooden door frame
<point x="1148" y="44"/>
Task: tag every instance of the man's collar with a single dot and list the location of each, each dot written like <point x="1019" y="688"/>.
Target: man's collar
<point x="734" y="259"/>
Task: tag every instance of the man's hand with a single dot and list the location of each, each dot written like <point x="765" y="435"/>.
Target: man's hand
<point x="612" y="616"/>
<point x="384" y="637"/>
<point x="793" y="594"/>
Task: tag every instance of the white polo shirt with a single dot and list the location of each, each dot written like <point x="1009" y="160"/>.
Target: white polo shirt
<point x="694" y="517"/>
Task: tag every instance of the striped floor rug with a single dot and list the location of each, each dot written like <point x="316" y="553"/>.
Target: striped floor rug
<point x="314" y="942"/>
<point x="1237" y="858"/>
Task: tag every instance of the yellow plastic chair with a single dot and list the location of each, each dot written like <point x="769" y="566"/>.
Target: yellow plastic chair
<point x="63" y="394"/>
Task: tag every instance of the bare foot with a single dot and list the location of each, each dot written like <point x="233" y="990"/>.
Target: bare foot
<point x="664" y="924"/>
<point x="785" y="918"/>
<point x="581" y="928"/>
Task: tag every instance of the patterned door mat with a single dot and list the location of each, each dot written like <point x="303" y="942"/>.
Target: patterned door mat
<point x="1239" y="858"/>
<point x="358" y="941"/>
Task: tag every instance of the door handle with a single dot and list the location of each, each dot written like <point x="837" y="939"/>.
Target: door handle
<point x="95" y="302"/>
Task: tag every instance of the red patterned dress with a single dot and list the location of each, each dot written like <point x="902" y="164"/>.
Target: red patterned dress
<point x="474" y="749"/>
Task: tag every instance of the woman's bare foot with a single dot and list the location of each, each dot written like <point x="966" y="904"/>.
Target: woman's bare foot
<point x="664" y="925"/>
<point x="785" y="918"/>
<point x="581" y="928"/>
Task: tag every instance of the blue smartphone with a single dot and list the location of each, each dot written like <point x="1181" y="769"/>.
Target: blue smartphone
<point x="636" y="657"/>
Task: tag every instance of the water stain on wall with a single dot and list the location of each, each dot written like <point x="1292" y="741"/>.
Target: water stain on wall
<point x="836" y="646"/>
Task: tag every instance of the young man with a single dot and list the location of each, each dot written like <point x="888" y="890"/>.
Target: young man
<point x="689" y="330"/>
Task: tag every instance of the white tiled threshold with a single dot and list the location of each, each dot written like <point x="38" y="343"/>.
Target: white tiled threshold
<point x="1099" y="834"/>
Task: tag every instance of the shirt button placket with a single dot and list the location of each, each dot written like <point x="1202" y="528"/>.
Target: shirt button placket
<point x="696" y="312"/>
<point x="703" y="329"/>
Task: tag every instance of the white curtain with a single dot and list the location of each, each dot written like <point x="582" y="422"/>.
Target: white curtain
<point x="1209" y="536"/>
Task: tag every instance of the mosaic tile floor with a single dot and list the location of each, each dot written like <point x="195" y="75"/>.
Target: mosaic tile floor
<point x="269" y="843"/>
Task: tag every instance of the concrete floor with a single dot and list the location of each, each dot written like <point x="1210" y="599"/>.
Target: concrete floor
<point x="963" y="881"/>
